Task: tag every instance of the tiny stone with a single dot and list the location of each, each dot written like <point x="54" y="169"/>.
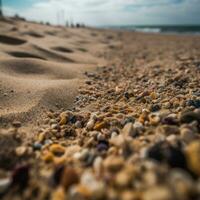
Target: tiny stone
<point x="128" y="130"/>
<point x="90" y="125"/>
<point x="16" y="124"/>
<point x="57" y="149"/>
<point x="20" y="151"/>
<point x="54" y="126"/>
<point x="189" y="117"/>
<point x="4" y="184"/>
<point x="123" y="179"/>
<point x="193" y="158"/>
<point x="69" y="177"/>
<point x="78" y="124"/>
<point x="113" y="164"/>
<point x="37" y="146"/>
<point x="158" y="193"/>
<point x="98" y="165"/>
<point x="103" y="145"/>
<point x="166" y="153"/>
<point x="155" y="107"/>
<point x="167" y="130"/>
<point x="58" y="194"/>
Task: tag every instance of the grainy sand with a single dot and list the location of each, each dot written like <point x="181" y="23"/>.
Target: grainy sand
<point x="41" y="67"/>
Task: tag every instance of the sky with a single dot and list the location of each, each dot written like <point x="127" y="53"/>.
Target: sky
<point x="107" y="12"/>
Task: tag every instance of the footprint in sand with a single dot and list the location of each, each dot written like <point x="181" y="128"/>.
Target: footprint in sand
<point x="33" y="34"/>
<point x="11" y="40"/>
<point x="18" y="54"/>
<point x="63" y="49"/>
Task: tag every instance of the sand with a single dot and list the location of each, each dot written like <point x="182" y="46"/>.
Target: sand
<point x="41" y="67"/>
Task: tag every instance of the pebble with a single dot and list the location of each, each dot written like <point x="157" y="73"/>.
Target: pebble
<point x="154" y="119"/>
<point x="103" y="145"/>
<point x="83" y="155"/>
<point x="139" y="128"/>
<point x="69" y="177"/>
<point x="47" y="157"/>
<point x="129" y="119"/>
<point x="58" y="194"/>
<point x="57" y="175"/>
<point x="167" y="130"/>
<point x="168" y="154"/>
<point x="100" y="125"/>
<point x="182" y="183"/>
<point x="54" y="126"/>
<point x="42" y="136"/>
<point x="189" y="117"/>
<point x="193" y="158"/>
<point x="128" y="130"/>
<point x="4" y="184"/>
<point x="114" y="134"/>
<point x="188" y="135"/>
<point x="57" y="149"/>
<point x="128" y="195"/>
<point x="20" y="177"/>
<point x="170" y="119"/>
<point x="37" y="146"/>
<point x="79" y="192"/>
<point x="98" y="165"/>
<point x="48" y="142"/>
<point x="63" y="118"/>
<point x="20" y="151"/>
<point x="90" y="124"/>
<point x="155" y="107"/>
<point x="113" y="164"/>
<point x="78" y="124"/>
<point x="123" y="179"/>
<point x="96" y="188"/>
<point x="159" y="193"/>
<point x="195" y="103"/>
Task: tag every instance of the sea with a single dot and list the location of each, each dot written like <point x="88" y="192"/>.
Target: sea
<point x="169" y="29"/>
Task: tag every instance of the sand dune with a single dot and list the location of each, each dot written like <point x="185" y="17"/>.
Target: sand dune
<point x="42" y="67"/>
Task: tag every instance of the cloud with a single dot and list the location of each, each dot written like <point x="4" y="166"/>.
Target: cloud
<point x="116" y="12"/>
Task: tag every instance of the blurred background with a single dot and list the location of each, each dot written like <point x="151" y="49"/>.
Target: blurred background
<point x="141" y="14"/>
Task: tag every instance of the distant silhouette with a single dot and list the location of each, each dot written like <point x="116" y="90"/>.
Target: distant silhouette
<point x="1" y="12"/>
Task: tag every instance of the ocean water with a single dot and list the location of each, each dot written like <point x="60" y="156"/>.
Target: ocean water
<point x="180" y="29"/>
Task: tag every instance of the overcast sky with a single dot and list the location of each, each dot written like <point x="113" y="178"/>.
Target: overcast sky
<point x="107" y="12"/>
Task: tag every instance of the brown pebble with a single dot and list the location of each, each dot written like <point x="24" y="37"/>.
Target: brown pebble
<point x="57" y="149"/>
<point x="69" y="177"/>
<point x="113" y="163"/>
<point x="158" y="193"/>
<point x="100" y="125"/>
<point x="193" y="158"/>
<point x="58" y="194"/>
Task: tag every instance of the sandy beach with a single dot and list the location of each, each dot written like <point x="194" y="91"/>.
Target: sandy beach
<point x="42" y="67"/>
<point x="93" y="114"/>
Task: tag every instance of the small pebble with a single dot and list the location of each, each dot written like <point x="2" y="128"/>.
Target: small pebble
<point x="57" y="149"/>
<point x="193" y="158"/>
<point x="69" y="177"/>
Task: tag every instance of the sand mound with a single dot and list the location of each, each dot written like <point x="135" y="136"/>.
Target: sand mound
<point x="43" y="70"/>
